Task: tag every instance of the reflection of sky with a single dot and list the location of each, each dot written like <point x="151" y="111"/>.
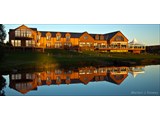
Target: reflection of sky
<point x="144" y="33"/>
<point x="144" y="84"/>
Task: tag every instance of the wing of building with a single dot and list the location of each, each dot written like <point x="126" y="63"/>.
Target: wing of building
<point x="25" y="37"/>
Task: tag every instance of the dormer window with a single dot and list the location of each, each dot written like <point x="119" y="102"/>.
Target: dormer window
<point x="101" y="37"/>
<point x="58" y="36"/>
<point x="68" y="36"/>
<point x="48" y="37"/>
<point x="38" y="37"/>
<point x="97" y="37"/>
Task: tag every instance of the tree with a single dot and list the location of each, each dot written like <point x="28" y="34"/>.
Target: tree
<point x="2" y="33"/>
<point x="2" y="85"/>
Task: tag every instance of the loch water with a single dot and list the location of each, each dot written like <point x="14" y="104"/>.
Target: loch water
<point x="85" y="81"/>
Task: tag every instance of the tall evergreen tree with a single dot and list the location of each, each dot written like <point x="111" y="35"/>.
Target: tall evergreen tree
<point x="2" y="33"/>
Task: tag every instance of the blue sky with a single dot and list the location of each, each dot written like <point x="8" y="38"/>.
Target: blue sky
<point x="148" y="34"/>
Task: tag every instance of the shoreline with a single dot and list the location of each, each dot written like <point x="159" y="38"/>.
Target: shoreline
<point x="69" y="59"/>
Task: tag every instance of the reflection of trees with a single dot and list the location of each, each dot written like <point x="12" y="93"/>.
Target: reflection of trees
<point x="2" y="85"/>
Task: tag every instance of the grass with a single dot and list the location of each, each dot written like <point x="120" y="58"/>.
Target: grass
<point x="63" y="58"/>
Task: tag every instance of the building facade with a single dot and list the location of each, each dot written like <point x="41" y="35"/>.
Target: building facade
<point x="26" y="37"/>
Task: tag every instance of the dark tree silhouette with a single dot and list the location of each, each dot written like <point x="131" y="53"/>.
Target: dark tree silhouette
<point x="2" y="85"/>
<point x="2" y="33"/>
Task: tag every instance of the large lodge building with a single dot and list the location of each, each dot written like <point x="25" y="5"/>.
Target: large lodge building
<point x="25" y="37"/>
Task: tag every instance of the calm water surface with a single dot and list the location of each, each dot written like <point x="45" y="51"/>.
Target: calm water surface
<point x="87" y="81"/>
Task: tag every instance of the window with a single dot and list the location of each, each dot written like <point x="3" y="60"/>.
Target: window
<point x="68" y="44"/>
<point x="17" y="33"/>
<point x="48" y="37"/>
<point x="28" y="43"/>
<point x="16" y="42"/>
<point x="67" y="38"/>
<point x="29" y="33"/>
<point x="48" y="44"/>
<point x="97" y="37"/>
<point x="68" y="78"/>
<point x="28" y="76"/>
<point x="101" y="37"/>
<point x="58" y="45"/>
<point x="58" y="79"/>
<point x="57" y="71"/>
<point x="12" y="42"/>
<point x="119" y="38"/>
<point x="81" y="44"/>
<point x="85" y="37"/>
<point x="58" y="37"/>
<point x="38" y="37"/>
<point x="23" y="33"/>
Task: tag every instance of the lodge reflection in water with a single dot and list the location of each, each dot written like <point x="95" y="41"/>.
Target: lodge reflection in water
<point x="25" y="82"/>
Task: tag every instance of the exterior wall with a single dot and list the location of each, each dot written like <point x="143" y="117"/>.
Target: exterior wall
<point x="112" y="40"/>
<point x="86" y="41"/>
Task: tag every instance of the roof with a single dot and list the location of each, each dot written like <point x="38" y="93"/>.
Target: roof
<point x="107" y="36"/>
<point x="74" y="35"/>
<point x="135" y="42"/>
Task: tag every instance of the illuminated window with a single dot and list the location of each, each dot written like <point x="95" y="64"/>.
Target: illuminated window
<point x="48" y="37"/>
<point x="28" y="43"/>
<point x="48" y="44"/>
<point x="81" y="44"/>
<point x="17" y="33"/>
<point x="16" y="42"/>
<point x="58" y="37"/>
<point x="23" y="33"/>
<point x="67" y="37"/>
<point x="58" y="45"/>
<point x="38" y="37"/>
<point x="12" y="42"/>
<point x="68" y="44"/>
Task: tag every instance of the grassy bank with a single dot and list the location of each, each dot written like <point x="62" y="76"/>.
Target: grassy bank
<point x="62" y="58"/>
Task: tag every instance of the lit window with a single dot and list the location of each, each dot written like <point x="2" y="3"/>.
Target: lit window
<point x="58" y="45"/>
<point x="38" y="37"/>
<point x="12" y="42"/>
<point x="68" y="44"/>
<point x="48" y="37"/>
<point x="28" y="43"/>
<point x="58" y="37"/>
<point x="48" y="44"/>
<point x="67" y="38"/>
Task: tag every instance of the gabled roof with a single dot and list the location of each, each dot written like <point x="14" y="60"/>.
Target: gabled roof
<point x="73" y="35"/>
<point x="34" y="29"/>
<point x="108" y="36"/>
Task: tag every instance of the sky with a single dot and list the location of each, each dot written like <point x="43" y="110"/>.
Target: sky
<point x="148" y="34"/>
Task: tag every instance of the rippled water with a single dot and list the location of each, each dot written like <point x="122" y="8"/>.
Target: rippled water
<point x="86" y="81"/>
